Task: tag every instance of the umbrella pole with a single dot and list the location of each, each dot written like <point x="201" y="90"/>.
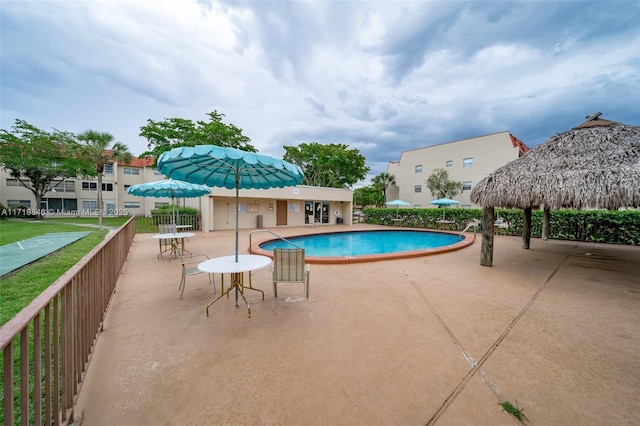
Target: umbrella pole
<point x="237" y="215"/>
<point x="173" y="207"/>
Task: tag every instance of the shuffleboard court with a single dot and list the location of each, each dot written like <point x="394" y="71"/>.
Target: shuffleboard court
<point x="16" y="255"/>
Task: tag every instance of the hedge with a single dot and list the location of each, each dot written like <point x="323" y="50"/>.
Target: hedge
<point x="600" y="226"/>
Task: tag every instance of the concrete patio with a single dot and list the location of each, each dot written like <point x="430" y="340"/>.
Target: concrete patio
<point x="431" y="340"/>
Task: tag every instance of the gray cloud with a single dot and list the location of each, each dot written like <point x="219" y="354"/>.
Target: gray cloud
<point x="383" y="77"/>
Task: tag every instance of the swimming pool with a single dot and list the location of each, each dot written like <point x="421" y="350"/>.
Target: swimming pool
<point x="368" y="246"/>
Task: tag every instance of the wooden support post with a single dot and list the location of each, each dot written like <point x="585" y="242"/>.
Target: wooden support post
<point x="526" y="228"/>
<point x="545" y="224"/>
<point x="486" y="248"/>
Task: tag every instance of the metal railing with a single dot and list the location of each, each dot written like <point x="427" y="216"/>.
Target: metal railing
<point x="46" y="347"/>
<point x="192" y="220"/>
<point x="473" y="223"/>
<point x="272" y="233"/>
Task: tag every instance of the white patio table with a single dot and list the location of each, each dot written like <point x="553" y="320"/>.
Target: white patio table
<point x="177" y="241"/>
<point x="228" y="265"/>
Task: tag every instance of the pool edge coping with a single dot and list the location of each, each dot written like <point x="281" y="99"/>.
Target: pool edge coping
<point x="342" y="260"/>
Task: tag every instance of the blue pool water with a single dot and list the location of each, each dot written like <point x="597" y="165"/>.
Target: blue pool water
<point x="359" y="243"/>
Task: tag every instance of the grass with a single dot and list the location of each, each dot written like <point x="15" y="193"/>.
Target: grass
<point x="19" y="288"/>
<point x="516" y="411"/>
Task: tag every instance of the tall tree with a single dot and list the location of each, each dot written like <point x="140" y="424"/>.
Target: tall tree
<point x="170" y="133"/>
<point x="330" y="165"/>
<point x="383" y="181"/>
<point x="367" y="196"/>
<point x="95" y="147"/>
<point x="39" y="160"/>
<point x="440" y="185"/>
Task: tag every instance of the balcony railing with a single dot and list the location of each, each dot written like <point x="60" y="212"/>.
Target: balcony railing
<point x="47" y="346"/>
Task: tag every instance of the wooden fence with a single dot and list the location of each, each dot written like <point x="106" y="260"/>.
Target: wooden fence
<point x="47" y="346"/>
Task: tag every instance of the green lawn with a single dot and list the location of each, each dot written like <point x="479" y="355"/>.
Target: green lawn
<point x="19" y="288"/>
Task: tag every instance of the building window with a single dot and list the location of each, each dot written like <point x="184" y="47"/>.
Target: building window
<point x="131" y="204"/>
<point x="130" y="171"/>
<point x="157" y="173"/>
<point x="467" y="162"/>
<point x="417" y="188"/>
<point x="449" y="163"/>
<point x="89" y="205"/>
<point x="419" y="168"/>
<point x="159" y="204"/>
<point x="93" y="186"/>
<point x="15" y="182"/>
<point x="12" y="204"/>
<point x="60" y="205"/>
<point x="466" y="186"/>
<point x="90" y="186"/>
<point x="63" y="186"/>
<point x="108" y="169"/>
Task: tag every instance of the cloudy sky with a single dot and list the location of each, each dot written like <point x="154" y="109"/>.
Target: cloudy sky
<point x="382" y="77"/>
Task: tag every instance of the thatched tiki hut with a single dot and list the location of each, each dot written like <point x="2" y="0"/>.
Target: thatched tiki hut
<point x="594" y="165"/>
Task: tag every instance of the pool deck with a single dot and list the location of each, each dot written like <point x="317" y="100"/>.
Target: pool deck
<point x="425" y="340"/>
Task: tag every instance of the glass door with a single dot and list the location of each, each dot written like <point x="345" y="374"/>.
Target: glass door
<point x="316" y="212"/>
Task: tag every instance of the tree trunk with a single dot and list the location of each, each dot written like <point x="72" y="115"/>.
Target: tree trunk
<point x="38" y="206"/>
<point x="486" y="249"/>
<point x="545" y="225"/>
<point x="38" y="193"/>
<point x="100" y="204"/>
<point x="526" y="229"/>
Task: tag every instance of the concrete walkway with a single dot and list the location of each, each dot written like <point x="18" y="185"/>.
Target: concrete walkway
<point x="431" y="340"/>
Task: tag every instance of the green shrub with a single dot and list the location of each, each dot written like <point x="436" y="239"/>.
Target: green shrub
<point x="600" y="226"/>
<point x="169" y="209"/>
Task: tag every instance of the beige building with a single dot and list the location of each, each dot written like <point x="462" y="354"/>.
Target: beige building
<point x="466" y="161"/>
<point x="291" y="206"/>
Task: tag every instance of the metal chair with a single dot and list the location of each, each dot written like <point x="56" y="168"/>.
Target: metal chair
<point x="190" y="267"/>
<point x="166" y="245"/>
<point x="289" y="267"/>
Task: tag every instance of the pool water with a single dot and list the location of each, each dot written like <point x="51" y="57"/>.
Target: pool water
<point x="359" y="243"/>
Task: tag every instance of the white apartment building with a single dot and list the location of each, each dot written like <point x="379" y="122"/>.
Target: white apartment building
<point x="466" y="161"/>
<point x="291" y="206"/>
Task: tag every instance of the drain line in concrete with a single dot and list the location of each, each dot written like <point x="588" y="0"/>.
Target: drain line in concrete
<point x="475" y="366"/>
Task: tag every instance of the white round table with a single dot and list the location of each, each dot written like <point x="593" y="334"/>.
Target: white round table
<point x="228" y="265"/>
<point x="177" y="241"/>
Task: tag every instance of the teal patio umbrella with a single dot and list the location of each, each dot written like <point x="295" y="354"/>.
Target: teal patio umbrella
<point x="444" y="202"/>
<point x="229" y="168"/>
<point x="169" y="188"/>
<point x="398" y="203"/>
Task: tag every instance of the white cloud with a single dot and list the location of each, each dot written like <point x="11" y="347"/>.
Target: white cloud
<point x="380" y="76"/>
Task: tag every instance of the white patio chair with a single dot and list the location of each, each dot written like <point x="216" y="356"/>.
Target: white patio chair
<point x="190" y="268"/>
<point x="289" y="267"/>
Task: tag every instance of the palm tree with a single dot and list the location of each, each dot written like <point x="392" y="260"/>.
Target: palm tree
<point x="94" y="148"/>
<point x="383" y="181"/>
